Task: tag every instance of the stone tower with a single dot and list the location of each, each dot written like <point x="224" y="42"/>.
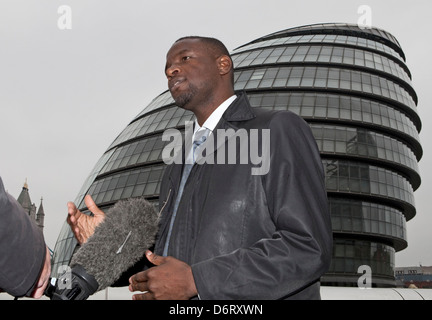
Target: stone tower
<point x="29" y="207"/>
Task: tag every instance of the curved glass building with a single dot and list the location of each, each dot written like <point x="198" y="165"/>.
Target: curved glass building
<point x="354" y="88"/>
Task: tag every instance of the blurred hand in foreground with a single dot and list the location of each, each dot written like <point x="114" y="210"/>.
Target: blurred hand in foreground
<point x="83" y="225"/>
<point x="44" y="277"/>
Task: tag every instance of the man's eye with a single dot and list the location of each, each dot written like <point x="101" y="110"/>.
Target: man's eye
<point x="185" y="58"/>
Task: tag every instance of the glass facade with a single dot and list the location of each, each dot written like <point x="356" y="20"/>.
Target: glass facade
<point x="354" y="89"/>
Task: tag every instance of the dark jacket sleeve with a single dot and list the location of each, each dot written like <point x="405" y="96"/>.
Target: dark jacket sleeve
<point x="299" y="251"/>
<point x="297" y="200"/>
<point x="22" y="248"/>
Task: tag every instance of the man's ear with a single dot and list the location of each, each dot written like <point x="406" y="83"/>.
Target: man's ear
<point x="224" y="65"/>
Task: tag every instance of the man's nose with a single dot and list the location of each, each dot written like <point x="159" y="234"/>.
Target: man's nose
<point x="172" y="71"/>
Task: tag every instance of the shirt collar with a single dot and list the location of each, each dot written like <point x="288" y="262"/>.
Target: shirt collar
<point x="214" y="118"/>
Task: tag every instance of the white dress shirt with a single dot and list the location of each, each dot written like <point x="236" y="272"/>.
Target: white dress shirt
<point x="211" y="122"/>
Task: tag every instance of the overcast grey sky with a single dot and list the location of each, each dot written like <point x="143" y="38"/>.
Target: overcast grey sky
<point x="66" y="94"/>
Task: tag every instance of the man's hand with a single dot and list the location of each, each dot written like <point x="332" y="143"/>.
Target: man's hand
<point x="170" y="279"/>
<point x="83" y="225"/>
<point x="44" y="277"/>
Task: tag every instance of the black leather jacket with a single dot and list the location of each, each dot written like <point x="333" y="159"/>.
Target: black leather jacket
<point x="253" y="236"/>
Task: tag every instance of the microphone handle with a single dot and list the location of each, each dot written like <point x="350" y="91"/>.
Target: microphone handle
<point x="75" y="285"/>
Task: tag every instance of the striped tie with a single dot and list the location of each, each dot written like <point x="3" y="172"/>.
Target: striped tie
<point x="199" y="137"/>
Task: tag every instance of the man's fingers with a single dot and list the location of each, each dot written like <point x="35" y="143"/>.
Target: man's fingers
<point x="73" y="215"/>
<point x="72" y="220"/>
<point x="71" y="205"/>
<point x="78" y="235"/>
<point x="139" y="282"/>
<point x="91" y="205"/>
<point x="138" y="286"/>
<point x="139" y="277"/>
<point x="143" y="296"/>
<point x="154" y="258"/>
<point x="72" y="209"/>
<point x="73" y="212"/>
<point x="44" y="277"/>
<point x="83" y="225"/>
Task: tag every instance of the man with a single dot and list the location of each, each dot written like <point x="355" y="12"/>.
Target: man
<point x="25" y="263"/>
<point x="226" y="233"/>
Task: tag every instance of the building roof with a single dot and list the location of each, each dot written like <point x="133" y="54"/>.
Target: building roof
<point x="41" y="211"/>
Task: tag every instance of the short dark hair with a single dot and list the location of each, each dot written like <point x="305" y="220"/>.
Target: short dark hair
<point x="213" y="45"/>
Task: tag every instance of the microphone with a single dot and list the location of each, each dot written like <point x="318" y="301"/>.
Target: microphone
<point x="127" y="231"/>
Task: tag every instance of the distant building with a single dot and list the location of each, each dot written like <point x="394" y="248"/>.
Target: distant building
<point x="25" y="201"/>
<point x="414" y="277"/>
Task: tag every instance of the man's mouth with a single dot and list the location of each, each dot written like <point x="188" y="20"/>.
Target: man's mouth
<point x="175" y="83"/>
